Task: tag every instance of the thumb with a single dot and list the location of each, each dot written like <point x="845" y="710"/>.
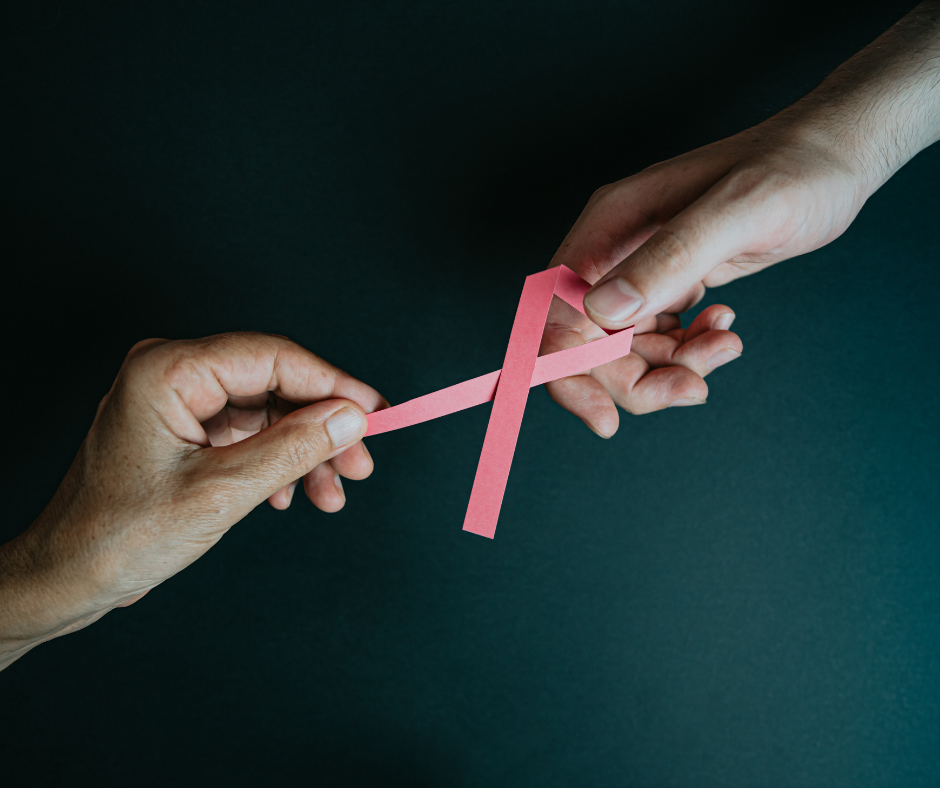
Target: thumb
<point x="282" y="453"/>
<point x="673" y="260"/>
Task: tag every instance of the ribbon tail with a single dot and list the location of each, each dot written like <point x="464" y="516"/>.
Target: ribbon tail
<point x="499" y="445"/>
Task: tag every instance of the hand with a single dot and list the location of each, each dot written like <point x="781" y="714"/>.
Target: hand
<point x="655" y="241"/>
<point x="192" y="436"/>
<point x="665" y="368"/>
<point x="652" y="243"/>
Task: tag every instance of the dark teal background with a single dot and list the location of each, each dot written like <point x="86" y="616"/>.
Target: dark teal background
<point x="741" y="594"/>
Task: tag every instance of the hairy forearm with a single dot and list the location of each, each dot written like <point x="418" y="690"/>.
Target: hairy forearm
<point x="882" y="106"/>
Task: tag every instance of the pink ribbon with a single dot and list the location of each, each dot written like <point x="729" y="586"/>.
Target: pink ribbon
<point x="509" y="386"/>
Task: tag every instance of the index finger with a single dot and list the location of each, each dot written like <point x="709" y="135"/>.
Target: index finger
<point x="196" y="377"/>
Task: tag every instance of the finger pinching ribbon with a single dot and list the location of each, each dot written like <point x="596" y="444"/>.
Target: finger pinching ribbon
<point x="509" y="386"/>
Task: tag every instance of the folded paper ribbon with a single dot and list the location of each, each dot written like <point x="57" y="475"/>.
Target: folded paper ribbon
<point x="509" y="386"/>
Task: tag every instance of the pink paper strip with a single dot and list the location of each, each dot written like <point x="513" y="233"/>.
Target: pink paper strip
<point x="522" y="369"/>
<point x="476" y="391"/>
<point x="499" y="445"/>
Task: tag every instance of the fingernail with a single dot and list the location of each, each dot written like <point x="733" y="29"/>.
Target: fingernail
<point x="339" y="485"/>
<point x="681" y="403"/>
<point x="723" y="323"/>
<point x="613" y="300"/>
<point x="290" y="492"/>
<point x="723" y="356"/>
<point x="344" y="427"/>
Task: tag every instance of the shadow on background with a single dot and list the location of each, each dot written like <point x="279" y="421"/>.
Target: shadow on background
<point x="743" y="594"/>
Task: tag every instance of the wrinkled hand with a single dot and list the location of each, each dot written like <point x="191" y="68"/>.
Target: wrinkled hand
<point x="653" y="242"/>
<point x="192" y="436"/>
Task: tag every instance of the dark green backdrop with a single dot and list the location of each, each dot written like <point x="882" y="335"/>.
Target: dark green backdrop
<point x="746" y="593"/>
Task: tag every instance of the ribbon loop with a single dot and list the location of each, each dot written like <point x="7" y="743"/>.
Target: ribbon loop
<point x="509" y="386"/>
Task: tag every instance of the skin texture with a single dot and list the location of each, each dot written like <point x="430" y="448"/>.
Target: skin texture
<point x="653" y="242"/>
<point x="192" y="436"/>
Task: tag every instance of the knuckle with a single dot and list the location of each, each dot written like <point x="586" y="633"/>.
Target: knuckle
<point x="180" y="367"/>
<point x="671" y="249"/>
<point x="139" y="362"/>
<point x="237" y="341"/>
<point x="306" y="451"/>
<point x="138" y="347"/>
<point x="602" y="193"/>
<point x="253" y="336"/>
<point x="594" y="266"/>
<point x="142" y="348"/>
<point x="104" y="403"/>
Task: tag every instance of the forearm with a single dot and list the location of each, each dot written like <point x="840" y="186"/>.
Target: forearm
<point x="32" y="609"/>
<point x="882" y="106"/>
<point x="18" y="634"/>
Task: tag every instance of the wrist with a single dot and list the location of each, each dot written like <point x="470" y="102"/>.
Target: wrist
<point x="870" y="148"/>
<point x="23" y="616"/>
<point x="19" y="631"/>
<point x="799" y="141"/>
<point x="882" y="107"/>
<point x="35" y="605"/>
